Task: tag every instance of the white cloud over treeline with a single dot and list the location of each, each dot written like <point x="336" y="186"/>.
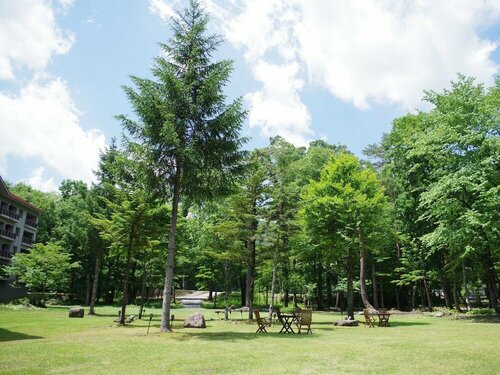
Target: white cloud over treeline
<point x="41" y="122"/>
<point x="371" y="52"/>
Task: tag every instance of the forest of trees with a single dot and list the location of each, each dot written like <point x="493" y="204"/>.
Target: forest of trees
<point x="414" y="223"/>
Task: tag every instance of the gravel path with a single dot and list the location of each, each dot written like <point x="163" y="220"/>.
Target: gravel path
<point x="195" y="299"/>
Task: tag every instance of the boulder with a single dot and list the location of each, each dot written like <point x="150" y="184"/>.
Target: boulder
<point x="440" y="314"/>
<point x="76" y="312"/>
<point x="346" y="323"/>
<point x="195" y="321"/>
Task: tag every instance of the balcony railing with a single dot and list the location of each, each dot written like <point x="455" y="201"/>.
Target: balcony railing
<point x="31" y="223"/>
<point x="5" y="254"/>
<point x="27" y="241"/>
<point x="7" y="234"/>
<point x="10" y="214"/>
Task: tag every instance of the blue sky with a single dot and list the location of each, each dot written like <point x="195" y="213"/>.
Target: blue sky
<point x="308" y="69"/>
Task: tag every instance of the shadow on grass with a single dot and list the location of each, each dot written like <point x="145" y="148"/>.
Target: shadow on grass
<point x="481" y="319"/>
<point x="404" y="324"/>
<point x="234" y="336"/>
<point x="6" y="335"/>
<point x="105" y="315"/>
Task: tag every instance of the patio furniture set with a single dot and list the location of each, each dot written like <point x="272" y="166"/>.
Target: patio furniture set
<point x="301" y="318"/>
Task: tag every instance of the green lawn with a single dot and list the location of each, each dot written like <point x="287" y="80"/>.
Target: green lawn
<point x="47" y="341"/>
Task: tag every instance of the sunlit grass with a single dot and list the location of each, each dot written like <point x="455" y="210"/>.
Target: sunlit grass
<point x="47" y="341"/>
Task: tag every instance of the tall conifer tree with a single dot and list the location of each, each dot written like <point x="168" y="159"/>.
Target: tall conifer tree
<point x="185" y="133"/>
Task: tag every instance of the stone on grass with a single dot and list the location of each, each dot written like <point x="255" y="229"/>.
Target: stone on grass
<point x="441" y="314"/>
<point x="346" y="323"/>
<point x="195" y="321"/>
<point x="76" y="312"/>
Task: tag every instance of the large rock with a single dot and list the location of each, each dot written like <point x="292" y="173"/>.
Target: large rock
<point x="76" y="312"/>
<point x="346" y="323"/>
<point x="195" y="321"/>
<point x="441" y="314"/>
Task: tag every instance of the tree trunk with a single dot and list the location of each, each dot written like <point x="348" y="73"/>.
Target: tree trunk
<point x="413" y="295"/>
<point x="273" y="280"/>
<point x="250" y="277"/>
<point x="285" y="283"/>
<point x="319" y="289"/>
<point x="97" y="270"/>
<point x="329" y="285"/>
<point x="362" y="271"/>
<point x="143" y="290"/>
<point x="226" y="290"/>
<point x="374" y="286"/>
<point x="428" y="295"/>
<point x="455" y="292"/>
<point x="446" y="290"/>
<point x="126" y="276"/>
<point x="242" y="290"/>
<point x="350" y="293"/>
<point x="466" y="289"/>
<point x="169" y="272"/>
<point x="382" y="296"/>
<point x="88" y="290"/>
<point x="398" y="305"/>
<point x="491" y="282"/>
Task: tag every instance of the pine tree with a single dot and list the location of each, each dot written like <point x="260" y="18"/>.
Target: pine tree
<point x="185" y="134"/>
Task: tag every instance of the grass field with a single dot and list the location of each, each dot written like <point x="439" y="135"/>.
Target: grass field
<point x="48" y="342"/>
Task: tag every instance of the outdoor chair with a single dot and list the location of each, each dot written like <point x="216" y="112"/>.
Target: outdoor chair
<point x="277" y="312"/>
<point x="261" y="322"/>
<point x="297" y="311"/>
<point x="305" y="319"/>
<point x="369" y="320"/>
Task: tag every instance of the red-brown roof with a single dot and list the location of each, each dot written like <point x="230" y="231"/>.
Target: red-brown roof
<point x="5" y="190"/>
<point x="23" y="202"/>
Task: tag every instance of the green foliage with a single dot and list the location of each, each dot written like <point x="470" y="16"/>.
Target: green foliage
<point x="183" y="123"/>
<point x="44" y="268"/>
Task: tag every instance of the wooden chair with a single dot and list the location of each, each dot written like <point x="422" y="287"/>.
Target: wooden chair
<point x="305" y="319"/>
<point x="369" y="320"/>
<point x="261" y="322"/>
<point x="297" y="311"/>
<point x="277" y="313"/>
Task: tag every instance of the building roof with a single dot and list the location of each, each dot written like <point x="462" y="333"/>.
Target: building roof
<point x="25" y="203"/>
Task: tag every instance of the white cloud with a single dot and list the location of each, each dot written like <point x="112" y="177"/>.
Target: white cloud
<point x="363" y="52"/>
<point x="162" y="9"/>
<point x="264" y="31"/>
<point x="43" y="123"/>
<point x="29" y="35"/>
<point x="277" y="108"/>
<point x="37" y="181"/>
<point x="389" y="52"/>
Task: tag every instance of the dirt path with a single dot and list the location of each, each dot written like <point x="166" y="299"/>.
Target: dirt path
<point x="194" y="299"/>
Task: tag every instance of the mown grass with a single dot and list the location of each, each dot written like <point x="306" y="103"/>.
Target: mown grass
<point x="48" y="342"/>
